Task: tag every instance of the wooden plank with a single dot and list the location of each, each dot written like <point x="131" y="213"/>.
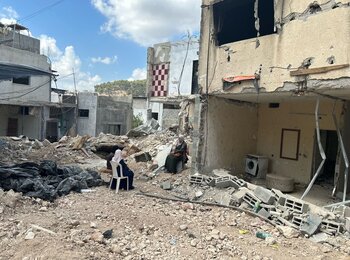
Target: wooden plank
<point x="301" y="72"/>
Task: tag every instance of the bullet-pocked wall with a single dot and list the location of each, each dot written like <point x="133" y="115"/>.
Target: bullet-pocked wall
<point x="232" y="130"/>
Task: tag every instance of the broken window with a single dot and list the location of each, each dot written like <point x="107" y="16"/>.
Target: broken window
<point x="234" y="20"/>
<point x="83" y="112"/>
<point x="194" y="88"/>
<point x="155" y="116"/>
<point x="21" y="80"/>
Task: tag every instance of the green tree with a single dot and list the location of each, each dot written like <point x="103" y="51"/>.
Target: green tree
<point x="134" y="87"/>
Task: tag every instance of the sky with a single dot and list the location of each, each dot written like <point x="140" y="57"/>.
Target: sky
<point x="101" y="40"/>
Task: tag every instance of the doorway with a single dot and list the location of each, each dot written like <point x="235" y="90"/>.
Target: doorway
<point x="329" y="141"/>
<point x="52" y="131"/>
<point x="12" y="127"/>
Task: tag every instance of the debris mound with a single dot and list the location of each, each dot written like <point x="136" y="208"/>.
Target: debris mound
<point x="46" y="181"/>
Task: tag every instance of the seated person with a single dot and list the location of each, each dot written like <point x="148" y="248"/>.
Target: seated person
<point x="119" y="157"/>
<point x="178" y="153"/>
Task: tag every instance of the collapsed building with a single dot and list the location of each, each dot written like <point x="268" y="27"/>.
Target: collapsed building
<point x="275" y="83"/>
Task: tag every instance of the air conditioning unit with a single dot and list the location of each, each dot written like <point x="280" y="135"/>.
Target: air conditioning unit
<point x="256" y="166"/>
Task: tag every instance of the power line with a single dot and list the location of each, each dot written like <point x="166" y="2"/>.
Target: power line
<point x="39" y="11"/>
<point x="24" y="94"/>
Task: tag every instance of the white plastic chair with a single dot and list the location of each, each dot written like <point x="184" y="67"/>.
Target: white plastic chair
<point x="118" y="178"/>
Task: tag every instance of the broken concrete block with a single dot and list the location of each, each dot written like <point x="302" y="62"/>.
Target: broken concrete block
<point x="311" y="224"/>
<point x="223" y="198"/>
<point x="250" y="199"/>
<point x="284" y="222"/>
<point x="347" y="224"/>
<point x="288" y="232"/>
<point x="319" y="238"/>
<point x="237" y="197"/>
<point x="297" y="220"/>
<point x="264" y="213"/>
<point x="166" y="185"/>
<point x="46" y="143"/>
<point x="280" y="197"/>
<point x="331" y="226"/>
<point x="199" y="194"/>
<point x="264" y="195"/>
<point x="197" y="179"/>
<point x="142" y="157"/>
<point x="225" y="182"/>
<point x="210" y="181"/>
<point x="296" y="205"/>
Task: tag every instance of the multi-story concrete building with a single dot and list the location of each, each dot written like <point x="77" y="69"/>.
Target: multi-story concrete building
<point x="172" y="78"/>
<point x="275" y="81"/>
<point x="25" y="86"/>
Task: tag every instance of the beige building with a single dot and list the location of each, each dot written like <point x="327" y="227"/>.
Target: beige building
<point x="263" y="67"/>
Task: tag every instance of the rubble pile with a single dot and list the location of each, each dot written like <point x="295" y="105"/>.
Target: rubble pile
<point x="46" y="181"/>
<point x="21" y="149"/>
<point x="291" y="215"/>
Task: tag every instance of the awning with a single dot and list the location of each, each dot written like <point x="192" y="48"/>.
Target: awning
<point x="9" y="71"/>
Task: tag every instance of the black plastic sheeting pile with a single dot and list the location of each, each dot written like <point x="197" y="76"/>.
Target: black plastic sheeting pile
<point x="47" y="181"/>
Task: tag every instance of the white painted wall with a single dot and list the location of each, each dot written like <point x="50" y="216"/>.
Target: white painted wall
<point x="87" y="126"/>
<point x="42" y="83"/>
<point x="178" y="60"/>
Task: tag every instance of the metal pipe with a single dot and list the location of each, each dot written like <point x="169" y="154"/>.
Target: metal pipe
<point x="322" y="153"/>
<point x="345" y="157"/>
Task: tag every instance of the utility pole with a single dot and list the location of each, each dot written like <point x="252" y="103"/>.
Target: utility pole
<point x="76" y="104"/>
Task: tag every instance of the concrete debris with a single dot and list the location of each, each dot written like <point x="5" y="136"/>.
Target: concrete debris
<point x="29" y="236"/>
<point x="288" y="232"/>
<point x="291" y="214"/>
<point x="166" y="185"/>
<point x="142" y="157"/>
<point x="311" y="225"/>
<point x="149" y="128"/>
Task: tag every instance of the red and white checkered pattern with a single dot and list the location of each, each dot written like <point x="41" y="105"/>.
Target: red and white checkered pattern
<point x="160" y="80"/>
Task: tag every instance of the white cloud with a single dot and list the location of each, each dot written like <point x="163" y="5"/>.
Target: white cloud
<point x="138" y="74"/>
<point x="8" y="15"/>
<point x="147" y="22"/>
<point x="64" y="62"/>
<point x="106" y="60"/>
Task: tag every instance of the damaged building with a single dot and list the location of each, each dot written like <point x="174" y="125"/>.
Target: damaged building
<point x="103" y="113"/>
<point x="172" y="80"/>
<point x="25" y="87"/>
<point x="275" y="89"/>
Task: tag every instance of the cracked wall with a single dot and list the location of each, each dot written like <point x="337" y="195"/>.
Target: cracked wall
<point x="317" y="29"/>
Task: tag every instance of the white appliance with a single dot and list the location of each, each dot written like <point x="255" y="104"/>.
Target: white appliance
<point x="256" y="165"/>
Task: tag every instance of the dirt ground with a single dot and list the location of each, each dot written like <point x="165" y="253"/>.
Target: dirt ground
<point x="143" y="228"/>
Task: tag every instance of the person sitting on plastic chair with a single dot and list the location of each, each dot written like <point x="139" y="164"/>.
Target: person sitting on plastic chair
<point x="118" y="158"/>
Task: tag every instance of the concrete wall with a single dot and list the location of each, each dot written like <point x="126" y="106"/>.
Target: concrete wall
<point x="299" y="115"/>
<point x="39" y="85"/>
<point x="232" y="128"/>
<point x="114" y="112"/>
<point x="139" y="106"/>
<point x="170" y="117"/>
<point x="179" y="61"/>
<point x="20" y="41"/>
<point x="87" y="126"/>
<point x="318" y="36"/>
<point x="28" y="125"/>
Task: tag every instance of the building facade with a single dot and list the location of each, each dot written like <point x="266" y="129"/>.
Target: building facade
<point x="275" y="82"/>
<point x="102" y="113"/>
<point x="25" y="85"/>
<point x="172" y="78"/>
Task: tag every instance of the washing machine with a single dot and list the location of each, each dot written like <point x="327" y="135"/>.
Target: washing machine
<point x="256" y="166"/>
